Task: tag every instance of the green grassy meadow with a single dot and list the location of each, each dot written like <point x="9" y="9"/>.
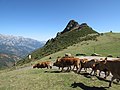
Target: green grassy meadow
<point x="52" y="79"/>
<point x="44" y="79"/>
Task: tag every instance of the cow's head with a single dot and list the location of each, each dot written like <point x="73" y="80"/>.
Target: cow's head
<point x="82" y="60"/>
<point x="58" y="59"/>
<point x="35" y="66"/>
<point x="57" y="62"/>
<point x="104" y="61"/>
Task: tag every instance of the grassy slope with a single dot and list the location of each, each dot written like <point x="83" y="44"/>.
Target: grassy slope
<point x="38" y="79"/>
<point x="43" y="79"/>
<point x="109" y="43"/>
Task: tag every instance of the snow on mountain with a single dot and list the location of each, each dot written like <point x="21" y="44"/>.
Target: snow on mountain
<point x="17" y="46"/>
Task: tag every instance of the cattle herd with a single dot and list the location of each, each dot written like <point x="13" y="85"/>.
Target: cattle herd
<point x="68" y="63"/>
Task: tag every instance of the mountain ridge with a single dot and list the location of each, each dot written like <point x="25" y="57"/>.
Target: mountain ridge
<point x="16" y="47"/>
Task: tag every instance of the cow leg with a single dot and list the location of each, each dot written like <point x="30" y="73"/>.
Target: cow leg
<point x="117" y="80"/>
<point x="94" y="72"/>
<point x="108" y="73"/>
<point x="73" y="67"/>
<point x="77" y="67"/>
<point x="105" y="74"/>
<point x="47" y="67"/>
<point x="62" y="69"/>
<point x="78" y="71"/>
<point x="111" y="81"/>
<point x="67" y="68"/>
<point x="91" y="72"/>
<point x="70" y="67"/>
<point x="50" y="67"/>
<point x="85" y="69"/>
<point x="99" y="72"/>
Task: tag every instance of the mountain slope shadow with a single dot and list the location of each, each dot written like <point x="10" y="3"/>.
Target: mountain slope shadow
<point x="85" y="87"/>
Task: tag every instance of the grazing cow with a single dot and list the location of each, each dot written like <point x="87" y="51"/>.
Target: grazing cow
<point x="114" y="67"/>
<point x="67" y="62"/>
<point x="43" y="65"/>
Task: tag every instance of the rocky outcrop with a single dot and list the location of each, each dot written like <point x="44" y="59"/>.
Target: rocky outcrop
<point x="73" y="25"/>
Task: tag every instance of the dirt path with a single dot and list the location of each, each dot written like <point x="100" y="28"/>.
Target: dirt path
<point x="95" y="57"/>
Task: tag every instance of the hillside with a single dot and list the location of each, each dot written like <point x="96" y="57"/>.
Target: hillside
<point x="7" y="60"/>
<point x="72" y="34"/>
<point x="28" y="78"/>
<point x="13" y="48"/>
<point x="107" y="43"/>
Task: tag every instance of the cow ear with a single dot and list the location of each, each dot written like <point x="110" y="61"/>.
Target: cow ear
<point x="57" y="60"/>
<point x="84" y="61"/>
<point x="95" y="60"/>
<point x="106" y="58"/>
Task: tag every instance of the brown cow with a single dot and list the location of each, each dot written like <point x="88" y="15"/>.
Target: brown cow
<point x="85" y="63"/>
<point x="114" y="67"/>
<point x="67" y="62"/>
<point x="43" y="65"/>
<point x="101" y="67"/>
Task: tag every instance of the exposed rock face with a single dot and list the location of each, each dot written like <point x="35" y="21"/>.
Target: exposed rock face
<point x="72" y="25"/>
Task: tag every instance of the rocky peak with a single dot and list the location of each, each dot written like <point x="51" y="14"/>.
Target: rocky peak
<point x="83" y="25"/>
<point x="71" y="25"/>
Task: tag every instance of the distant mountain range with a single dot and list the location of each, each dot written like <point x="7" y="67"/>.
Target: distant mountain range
<point x="14" y="48"/>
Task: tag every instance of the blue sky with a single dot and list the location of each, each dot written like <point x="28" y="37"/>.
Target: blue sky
<point x="42" y="19"/>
